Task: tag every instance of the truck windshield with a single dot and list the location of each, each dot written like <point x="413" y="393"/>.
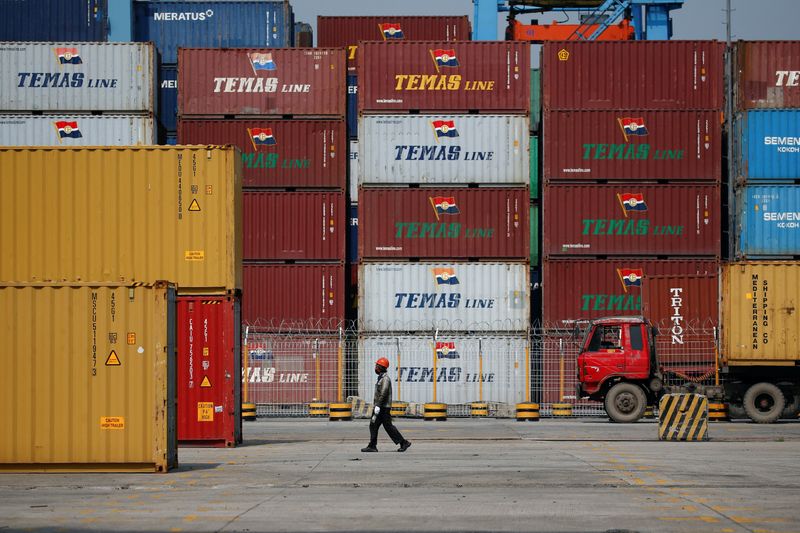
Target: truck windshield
<point x="606" y="338"/>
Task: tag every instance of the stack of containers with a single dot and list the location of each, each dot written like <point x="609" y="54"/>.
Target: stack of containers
<point x="55" y="20"/>
<point x="444" y="231"/>
<point x="767" y="148"/>
<point x="77" y="94"/>
<point x="224" y="24"/>
<point x="347" y="32"/>
<point x="632" y="171"/>
<point x="284" y="109"/>
<point x="535" y="211"/>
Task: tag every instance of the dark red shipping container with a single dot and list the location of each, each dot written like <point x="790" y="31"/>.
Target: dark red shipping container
<point x="456" y="223"/>
<point x="347" y="31"/>
<point x="294" y="225"/>
<point x="668" y="75"/>
<point x="293" y="369"/>
<point x="578" y="289"/>
<point x="444" y="76"/>
<point x="628" y="219"/>
<point x="632" y="145"/>
<point x="294" y="297"/>
<point x="767" y="74"/>
<point x="209" y="360"/>
<point x="272" y="81"/>
<point x="278" y="153"/>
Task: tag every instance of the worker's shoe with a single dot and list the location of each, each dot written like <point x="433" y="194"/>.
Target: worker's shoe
<point x="404" y="446"/>
<point x="369" y="449"/>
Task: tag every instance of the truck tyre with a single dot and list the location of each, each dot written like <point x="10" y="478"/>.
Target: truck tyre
<point x="763" y="403"/>
<point x="625" y="403"/>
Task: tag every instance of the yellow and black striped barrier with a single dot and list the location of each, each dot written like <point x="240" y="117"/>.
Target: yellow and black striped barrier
<point x="340" y="411"/>
<point x="561" y="409"/>
<point x="398" y="408"/>
<point x="683" y="417"/>
<point x="649" y="412"/>
<point x="249" y="412"/>
<point x="479" y="409"/>
<point x="317" y="409"/>
<point x="718" y="412"/>
<point x="435" y="411"/>
<point x="528" y="412"/>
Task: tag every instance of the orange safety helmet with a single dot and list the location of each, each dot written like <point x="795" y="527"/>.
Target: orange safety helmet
<point x="382" y="362"/>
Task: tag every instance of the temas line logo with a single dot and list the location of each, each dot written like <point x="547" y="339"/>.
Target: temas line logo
<point x="68" y="56"/>
<point x="261" y="137"/>
<point x="445" y="276"/>
<point x="67" y="130"/>
<point x="446" y="350"/>
<point x="630" y="277"/>
<point x="391" y="30"/>
<point x="444" y="128"/>
<point x="444" y="205"/>
<point x="631" y="202"/>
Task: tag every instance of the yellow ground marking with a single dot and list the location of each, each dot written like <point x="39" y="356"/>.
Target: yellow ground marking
<point x="190" y="518"/>
<point x="749" y="520"/>
<point x="724" y="509"/>
<point x="706" y="519"/>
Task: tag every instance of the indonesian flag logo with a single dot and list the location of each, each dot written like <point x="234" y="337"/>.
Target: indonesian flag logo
<point x="444" y="205"/>
<point x="68" y="56"/>
<point x="68" y="130"/>
<point x="444" y="58"/>
<point x="391" y="30"/>
<point x="446" y="350"/>
<point x="631" y="202"/>
<point x="444" y="128"/>
<point x="632" y="126"/>
<point x="261" y="137"/>
<point x="445" y="276"/>
<point x="630" y="277"/>
<point x="261" y="61"/>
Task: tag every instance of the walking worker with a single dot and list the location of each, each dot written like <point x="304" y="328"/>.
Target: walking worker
<point x="381" y="413"/>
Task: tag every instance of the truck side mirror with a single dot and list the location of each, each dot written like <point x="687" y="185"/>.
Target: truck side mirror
<point x="654" y="331"/>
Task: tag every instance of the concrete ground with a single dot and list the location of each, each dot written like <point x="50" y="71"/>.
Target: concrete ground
<point x="459" y="475"/>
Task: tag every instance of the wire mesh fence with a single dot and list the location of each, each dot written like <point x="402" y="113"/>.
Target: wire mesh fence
<point x="288" y="368"/>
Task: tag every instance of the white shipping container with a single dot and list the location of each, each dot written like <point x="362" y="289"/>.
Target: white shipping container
<point x="76" y="130"/>
<point x="352" y="172"/>
<point x="468" y="368"/>
<point x="443" y="149"/>
<point x="77" y="77"/>
<point x="443" y="296"/>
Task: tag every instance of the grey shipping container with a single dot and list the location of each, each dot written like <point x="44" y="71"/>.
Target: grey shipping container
<point x="444" y="296"/>
<point x="77" y="77"/>
<point x="76" y="130"/>
<point x="444" y="149"/>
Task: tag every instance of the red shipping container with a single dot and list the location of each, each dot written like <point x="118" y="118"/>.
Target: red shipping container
<point x="294" y="297"/>
<point x="455" y="223"/>
<point x="347" y="31"/>
<point x="629" y="219"/>
<point x="293" y="369"/>
<point x="668" y="75"/>
<point x="633" y="145"/>
<point x="767" y="74"/>
<point x="444" y="76"/>
<point x="294" y="225"/>
<point x="278" y="153"/>
<point x="271" y="81"/>
<point x="579" y="289"/>
<point x="209" y="359"/>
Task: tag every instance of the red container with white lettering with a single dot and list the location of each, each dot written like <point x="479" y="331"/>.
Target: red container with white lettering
<point x="263" y="82"/>
<point x="767" y="74"/>
<point x="209" y="365"/>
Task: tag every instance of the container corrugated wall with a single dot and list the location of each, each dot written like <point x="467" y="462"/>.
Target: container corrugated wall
<point x="769" y="145"/>
<point x="440" y="76"/>
<point x="665" y="220"/>
<point x="352" y="106"/>
<point x="760" y="322"/>
<point x="298" y="296"/>
<point x="299" y="81"/>
<point x="534" y="168"/>
<point x="768" y="220"/>
<point x="54" y="20"/>
<point x="74" y="76"/>
<point x="444" y="149"/>
<point x="534" y="234"/>
<point x="446" y="296"/>
<point x="353" y="171"/>
<point x="122" y="215"/>
<point x="294" y="226"/>
<point x="469" y="368"/>
<point x="225" y="24"/>
<point x="278" y="153"/>
<point x="352" y="240"/>
<point x="536" y="99"/>
<point x="348" y="31"/>
<point x="88" y="379"/>
<point x="76" y="130"/>
<point x="667" y="75"/>
<point x="444" y="223"/>
<point x="168" y="98"/>
<point x="767" y="75"/>
<point x="633" y="145"/>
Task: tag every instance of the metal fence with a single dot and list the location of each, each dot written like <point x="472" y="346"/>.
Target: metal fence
<point x="286" y="369"/>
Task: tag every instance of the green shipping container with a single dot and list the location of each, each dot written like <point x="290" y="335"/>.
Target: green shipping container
<point x="534" y="167"/>
<point x="534" y="234"/>
<point x="536" y="99"/>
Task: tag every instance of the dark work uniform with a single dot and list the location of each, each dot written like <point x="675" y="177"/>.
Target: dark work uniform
<point x="383" y="399"/>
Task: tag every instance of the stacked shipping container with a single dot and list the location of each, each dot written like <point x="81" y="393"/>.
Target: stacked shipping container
<point x="444" y="233"/>
<point x="632" y="171"/>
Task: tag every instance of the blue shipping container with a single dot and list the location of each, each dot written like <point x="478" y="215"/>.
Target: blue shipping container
<point x="769" y="144"/>
<point x="253" y="24"/>
<point x="352" y="107"/>
<point x="54" y="20"/>
<point x="769" y="220"/>
<point x="168" y="99"/>
<point x="352" y="234"/>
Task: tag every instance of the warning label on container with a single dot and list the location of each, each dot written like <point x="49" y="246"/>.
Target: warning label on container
<point x="194" y="206"/>
<point x="112" y="422"/>
<point x="205" y="411"/>
<point x="131" y="337"/>
<point x="205" y="351"/>
<point x="194" y="255"/>
<point x="205" y="383"/>
<point x="112" y="359"/>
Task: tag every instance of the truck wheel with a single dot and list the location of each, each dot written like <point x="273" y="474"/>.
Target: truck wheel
<point x="625" y="402"/>
<point x="763" y="403"/>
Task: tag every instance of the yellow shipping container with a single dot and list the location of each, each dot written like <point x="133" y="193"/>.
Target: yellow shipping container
<point x="761" y="313"/>
<point x="88" y="378"/>
<point x="122" y="215"/>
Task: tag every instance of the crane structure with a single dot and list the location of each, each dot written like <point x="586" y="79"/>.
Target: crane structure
<point x="602" y="20"/>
